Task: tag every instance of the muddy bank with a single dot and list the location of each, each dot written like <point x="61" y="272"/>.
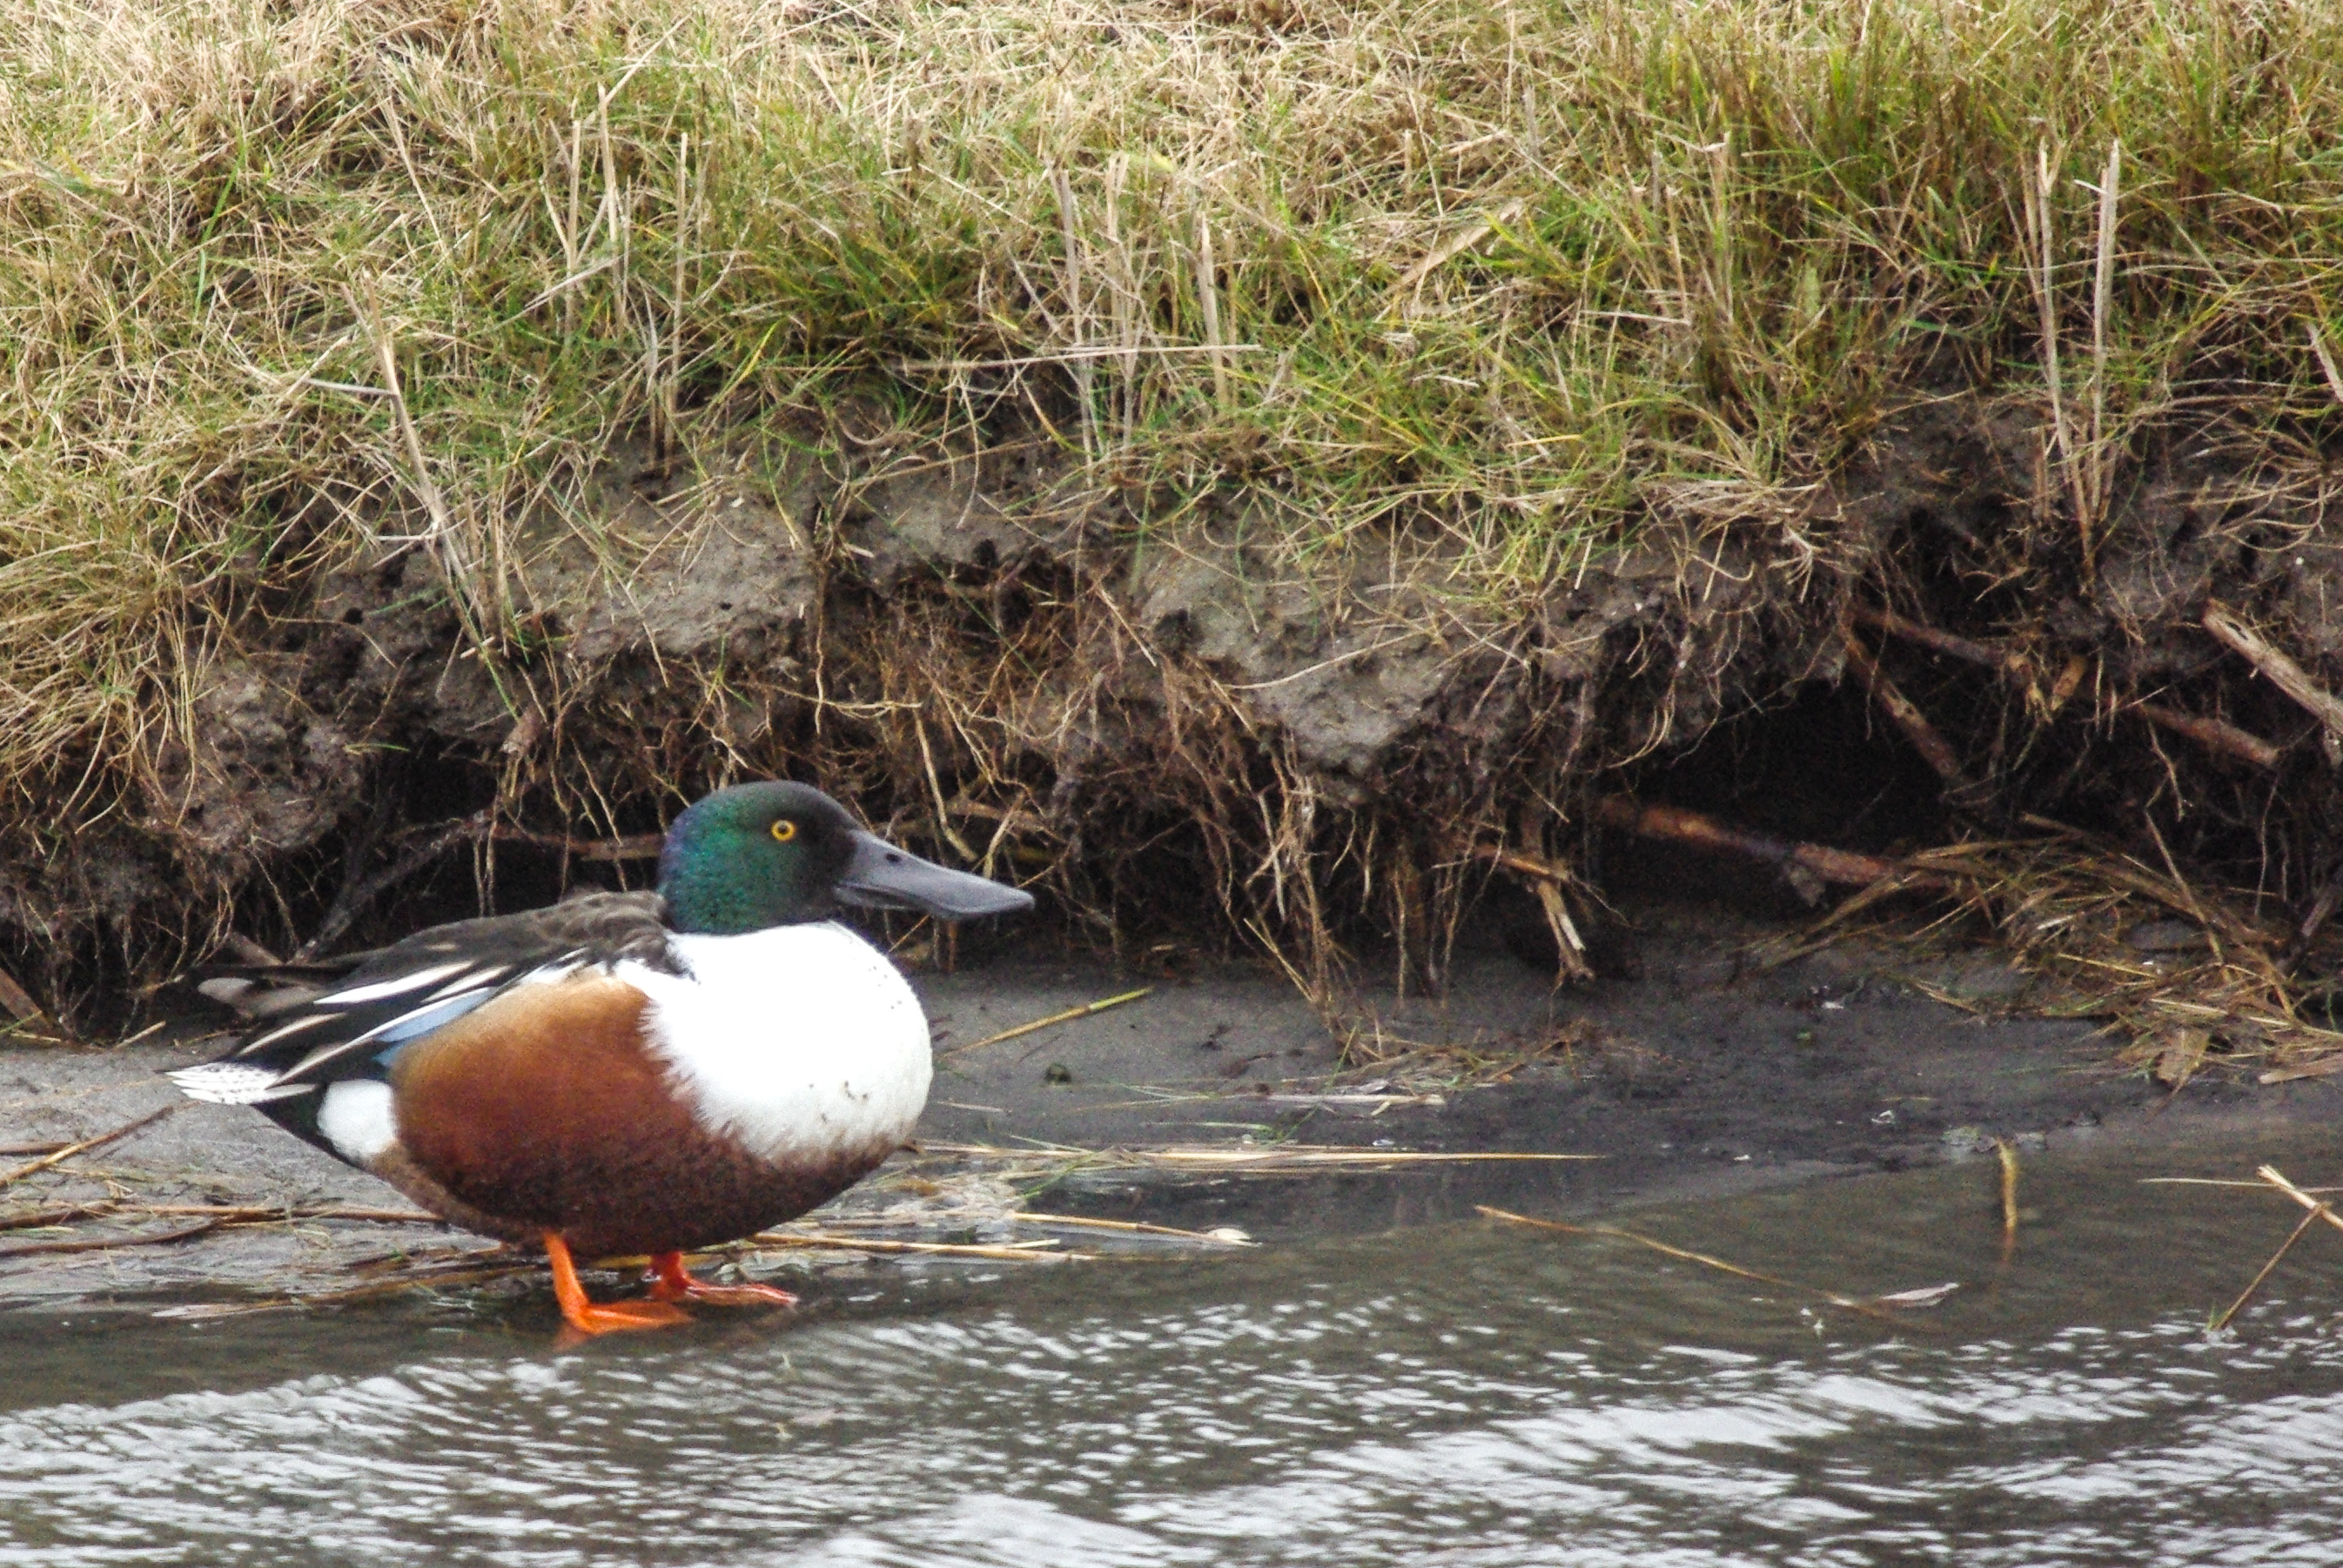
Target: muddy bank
<point x="1701" y="1078"/>
<point x="1180" y="735"/>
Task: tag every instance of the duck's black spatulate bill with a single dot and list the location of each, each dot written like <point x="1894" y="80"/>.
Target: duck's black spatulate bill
<point x="882" y="877"/>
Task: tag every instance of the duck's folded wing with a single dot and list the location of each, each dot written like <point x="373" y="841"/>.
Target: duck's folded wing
<point x="317" y="1027"/>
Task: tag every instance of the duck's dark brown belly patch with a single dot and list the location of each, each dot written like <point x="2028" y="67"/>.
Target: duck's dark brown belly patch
<point x="543" y="1112"/>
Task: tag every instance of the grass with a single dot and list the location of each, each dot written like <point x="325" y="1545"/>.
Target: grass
<point x="1497" y="290"/>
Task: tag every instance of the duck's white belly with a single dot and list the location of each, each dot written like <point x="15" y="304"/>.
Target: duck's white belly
<point x="801" y="1041"/>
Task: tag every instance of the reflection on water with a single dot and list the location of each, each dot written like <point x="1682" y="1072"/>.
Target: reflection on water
<point x="1457" y="1395"/>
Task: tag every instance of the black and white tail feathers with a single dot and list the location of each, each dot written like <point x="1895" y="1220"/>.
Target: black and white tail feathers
<point x="316" y="1023"/>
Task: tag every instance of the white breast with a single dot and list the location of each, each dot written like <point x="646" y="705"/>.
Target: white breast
<point x="801" y="1041"/>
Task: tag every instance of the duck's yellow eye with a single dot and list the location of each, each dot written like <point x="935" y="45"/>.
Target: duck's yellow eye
<point x="784" y="830"/>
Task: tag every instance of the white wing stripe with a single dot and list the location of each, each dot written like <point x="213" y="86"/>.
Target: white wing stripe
<point x="419" y="981"/>
<point x="469" y="983"/>
<point x="282" y="1031"/>
<point x="330" y="1050"/>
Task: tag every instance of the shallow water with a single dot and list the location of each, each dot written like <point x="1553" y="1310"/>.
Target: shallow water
<point x="1457" y="1393"/>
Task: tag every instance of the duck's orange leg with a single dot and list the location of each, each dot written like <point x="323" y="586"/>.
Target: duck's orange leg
<point x="674" y="1283"/>
<point x="588" y="1318"/>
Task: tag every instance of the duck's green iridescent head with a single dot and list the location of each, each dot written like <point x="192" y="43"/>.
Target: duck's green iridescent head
<point x="775" y="853"/>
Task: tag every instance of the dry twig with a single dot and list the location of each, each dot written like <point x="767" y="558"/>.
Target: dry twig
<point x="1844" y="867"/>
<point x="1925" y="737"/>
<point x="1068" y="1016"/>
<point x="86" y="1144"/>
<point x="2282" y="672"/>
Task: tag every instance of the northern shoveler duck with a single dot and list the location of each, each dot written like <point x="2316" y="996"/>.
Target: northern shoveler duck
<point x="622" y="1072"/>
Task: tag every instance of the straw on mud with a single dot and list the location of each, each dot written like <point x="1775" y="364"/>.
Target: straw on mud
<point x="1237" y="1160"/>
<point x="49" y="1219"/>
<point x="86" y="1144"/>
<point x="1851" y="1304"/>
<point x="211" y="1217"/>
<point x="108" y="1244"/>
<point x="1381" y="1102"/>
<point x="1226" y="1236"/>
<point x="2221" y="1320"/>
<point x="1072" y="1013"/>
<point x="235" y="1213"/>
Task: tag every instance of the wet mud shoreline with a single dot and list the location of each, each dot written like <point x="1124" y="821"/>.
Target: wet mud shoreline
<point x="1700" y="1078"/>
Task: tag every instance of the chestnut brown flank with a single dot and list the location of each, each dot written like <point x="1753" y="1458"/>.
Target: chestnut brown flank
<point x="543" y="1112"/>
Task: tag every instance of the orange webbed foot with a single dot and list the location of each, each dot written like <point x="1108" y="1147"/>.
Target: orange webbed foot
<point x="675" y="1283"/>
<point x="584" y="1316"/>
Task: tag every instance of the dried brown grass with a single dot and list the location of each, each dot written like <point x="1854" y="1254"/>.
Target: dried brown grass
<point x="2188" y="976"/>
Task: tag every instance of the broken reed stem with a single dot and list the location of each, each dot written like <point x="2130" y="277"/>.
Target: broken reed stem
<point x="2271" y="1176"/>
<point x="1068" y="1016"/>
<point x="86" y="1144"/>
<point x="2221" y="1320"/>
<point x="2007" y="1156"/>
<point x="2218" y="1181"/>
<point x="1848" y="1303"/>
<point x="1547" y="880"/>
<point x="2194" y="909"/>
<point x="2314" y="1212"/>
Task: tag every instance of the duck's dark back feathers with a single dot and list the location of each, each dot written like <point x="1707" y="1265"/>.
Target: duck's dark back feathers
<point x="315" y="1023"/>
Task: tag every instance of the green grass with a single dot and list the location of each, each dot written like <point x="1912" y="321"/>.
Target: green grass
<point x="1501" y="285"/>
